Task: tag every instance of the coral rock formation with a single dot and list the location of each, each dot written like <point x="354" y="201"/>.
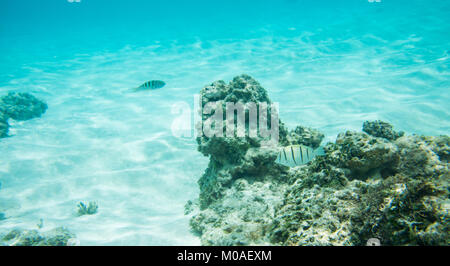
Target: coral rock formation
<point x="59" y="236"/>
<point x="87" y="209"/>
<point x="4" y="126"/>
<point x="402" y="200"/>
<point x="19" y="106"/>
<point x="379" y="184"/>
<point x="242" y="186"/>
<point x="381" y="129"/>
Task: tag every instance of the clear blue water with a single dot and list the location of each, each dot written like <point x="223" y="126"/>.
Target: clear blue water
<point x="329" y="64"/>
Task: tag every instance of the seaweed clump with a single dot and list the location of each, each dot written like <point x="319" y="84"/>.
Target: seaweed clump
<point x="59" y="236"/>
<point x="20" y="107"/>
<point x="378" y="184"/>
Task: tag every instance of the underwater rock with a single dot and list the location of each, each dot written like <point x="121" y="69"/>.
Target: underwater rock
<point x="381" y="185"/>
<point x="230" y="156"/>
<point x="381" y="129"/>
<point x="440" y="145"/>
<point x="150" y="85"/>
<point x="189" y="207"/>
<point x="59" y="236"/>
<point x="242" y="186"/>
<point x="361" y="153"/>
<point x="243" y="89"/>
<point x="398" y="194"/>
<point x="4" y="126"/>
<point x="305" y="136"/>
<point x="19" y="106"/>
<point x="242" y="216"/>
<point x="22" y="106"/>
<point x="255" y="165"/>
<point x="87" y="209"/>
<point x="401" y="210"/>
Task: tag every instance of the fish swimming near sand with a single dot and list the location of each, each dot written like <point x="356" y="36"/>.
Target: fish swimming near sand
<point x="150" y="85"/>
<point x="295" y="155"/>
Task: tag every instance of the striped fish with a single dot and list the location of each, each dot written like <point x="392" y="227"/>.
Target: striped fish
<point x="296" y="155"/>
<point x="150" y="85"/>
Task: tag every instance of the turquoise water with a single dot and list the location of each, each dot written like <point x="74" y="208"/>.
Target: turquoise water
<point x="329" y="64"/>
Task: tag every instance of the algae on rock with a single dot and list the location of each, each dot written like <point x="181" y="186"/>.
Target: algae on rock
<point x="19" y="106"/>
<point x="368" y="187"/>
<point x="22" y="106"/>
<point x="381" y="129"/>
<point x="379" y="184"/>
<point x="242" y="186"/>
<point x="87" y="209"/>
<point x="4" y="126"/>
<point x="230" y="156"/>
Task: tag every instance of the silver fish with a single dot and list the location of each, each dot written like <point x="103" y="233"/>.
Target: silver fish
<point x="295" y="155"/>
<point x="150" y="85"/>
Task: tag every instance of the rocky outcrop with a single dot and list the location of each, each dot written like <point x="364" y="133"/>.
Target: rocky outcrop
<point x="305" y="136"/>
<point x="19" y="106"/>
<point x="59" y="236"/>
<point x="378" y="184"/>
<point x="401" y="199"/>
<point x="4" y="126"/>
<point x="22" y="106"/>
<point x="381" y="129"/>
<point x="242" y="186"/>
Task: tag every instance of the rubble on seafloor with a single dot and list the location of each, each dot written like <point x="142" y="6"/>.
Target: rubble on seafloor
<point x="374" y="184"/>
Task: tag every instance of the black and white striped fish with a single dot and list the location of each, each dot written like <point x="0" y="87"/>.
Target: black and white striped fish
<point x="150" y="85"/>
<point x="296" y="155"/>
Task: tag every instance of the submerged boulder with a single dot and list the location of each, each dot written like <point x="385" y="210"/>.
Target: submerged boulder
<point x="381" y="129"/>
<point x="401" y="197"/>
<point x="59" y="236"/>
<point x="373" y="184"/>
<point x="233" y="157"/>
<point x="305" y="136"/>
<point x="22" y="106"/>
<point x="242" y="186"/>
<point x="19" y="106"/>
<point x="242" y="89"/>
<point x="4" y="126"/>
